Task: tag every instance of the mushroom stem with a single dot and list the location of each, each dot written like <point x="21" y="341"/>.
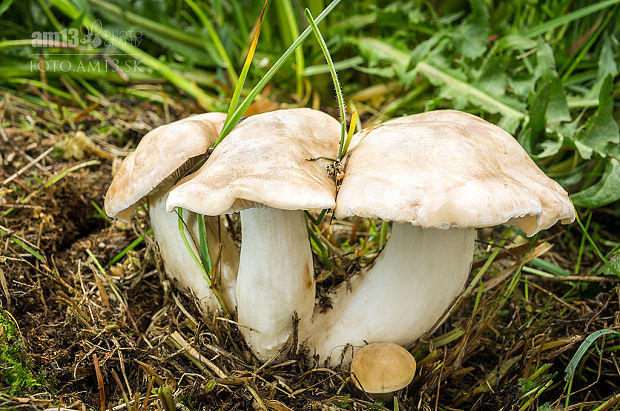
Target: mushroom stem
<point x="275" y="281"/>
<point x="179" y="264"/>
<point x="412" y="283"/>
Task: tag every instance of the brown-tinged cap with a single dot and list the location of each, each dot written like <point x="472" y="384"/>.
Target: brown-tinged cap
<point x="382" y="368"/>
<point x="447" y="169"/>
<point x="276" y="159"/>
<point x="159" y="154"/>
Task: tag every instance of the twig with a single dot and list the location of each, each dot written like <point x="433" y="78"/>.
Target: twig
<point x="27" y="166"/>
<point x="576" y="278"/>
<point x="180" y="341"/>
<point x="99" y="382"/>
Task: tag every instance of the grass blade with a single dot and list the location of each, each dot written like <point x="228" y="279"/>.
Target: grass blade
<point x="148" y="24"/>
<point x="351" y="131"/>
<point x="567" y="18"/>
<point x="316" y="221"/>
<point x="205" y="274"/>
<point x="596" y="250"/>
<point x="216" y="40"/>
<point x="130" y="247"/>
<point x="175" y="78"/>
<point x="332" y="71"/>
<point x="290" y="31"/>
<point x="188" y="246"/>
<point x="230" y="123"/>
<point x="204" y="246"/>
<point x="23" y="245"/>
<point x="581" y="351"/>
<point x="246" y="66"/>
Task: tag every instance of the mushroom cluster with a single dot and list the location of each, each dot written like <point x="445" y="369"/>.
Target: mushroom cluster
<point x="437" y="176"/>
<point x="263" y="169"/>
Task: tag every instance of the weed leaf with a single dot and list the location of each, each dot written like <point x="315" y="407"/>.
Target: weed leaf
<point x="557" y="107"/>
<point x="471" y="38"/>
<point x="606" y="191"/>
<point x="606" y="65"/>
<point x="601" y="129"/>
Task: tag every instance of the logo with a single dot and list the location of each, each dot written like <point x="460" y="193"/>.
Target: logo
<point x="107" y="58"/>
<point x="85" y="37"/>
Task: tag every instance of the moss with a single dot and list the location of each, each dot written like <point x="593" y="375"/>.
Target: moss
<point x="15" y="373"/>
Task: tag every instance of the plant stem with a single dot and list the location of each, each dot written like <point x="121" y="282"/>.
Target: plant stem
<point x="332" y="71"/>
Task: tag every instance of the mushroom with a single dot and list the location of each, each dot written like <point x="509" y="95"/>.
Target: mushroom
<point x="271" y="167"/>
<point x="438" y="176"/>
<point x="161" y="158"/>
<point x="381" y="369"/>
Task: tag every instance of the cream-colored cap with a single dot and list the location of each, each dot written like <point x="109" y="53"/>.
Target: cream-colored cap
<point x="382" y="368"/>
<point x="276" y="159"/>
<point x="160" y="153"/>
<point x="447" y="169"/>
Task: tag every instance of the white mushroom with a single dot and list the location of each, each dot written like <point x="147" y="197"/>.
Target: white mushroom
<point x="271" y="167"/>
<point x="162" y="157"/>
<point x="437" y="176"/>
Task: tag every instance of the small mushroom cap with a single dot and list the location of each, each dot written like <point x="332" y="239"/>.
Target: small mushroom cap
<point x="447" y="169"/>
<point x="276" y="159"/>
<point x="382" y="368"/>
<point x="160" y="153"/>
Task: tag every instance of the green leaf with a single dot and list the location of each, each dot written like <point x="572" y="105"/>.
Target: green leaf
<point x="492" y="77"/>
<point x="423" y="49"/>
<point x="535" y="128"/>
<point x="572" y="177"/>
<point x="614" y="259"/>
<point x="522" y="86"/>
<point x="516" y="42"/>
<point x="550" y="147"/>
<point x="606" y="191"/>
<point x="606" y="65"/>
<point x="557" y="107"/>
<point x="457" y="88"/>
<point x="471" y="38"/>
<point x="545" y="59"/>
<point x="601" y="129"/>
<point x="379" y="50"/>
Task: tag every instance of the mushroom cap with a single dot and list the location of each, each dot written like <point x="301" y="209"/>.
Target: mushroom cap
<point x="276" y="159"/>
<point x="446" y="169"/>
<point x="160" y="153"/>
<point x="382" y="368"/>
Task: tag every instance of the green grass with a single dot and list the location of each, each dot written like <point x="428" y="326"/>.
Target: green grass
<point x="503" y="63"/>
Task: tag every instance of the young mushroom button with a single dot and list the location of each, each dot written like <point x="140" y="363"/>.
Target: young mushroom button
<point x="271" y="167"/>
<point x="438" y="176"/>
<point x="381" y="369"/>
<point x="162" y="157"/>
